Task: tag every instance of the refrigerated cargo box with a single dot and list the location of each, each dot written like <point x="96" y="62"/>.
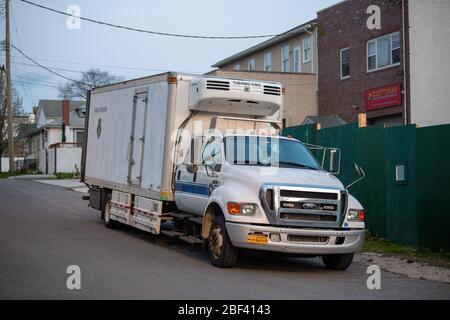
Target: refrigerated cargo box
<point x="132" y="126"/>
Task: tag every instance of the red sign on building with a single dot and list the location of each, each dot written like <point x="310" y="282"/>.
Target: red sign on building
<point x="383" y="97"/>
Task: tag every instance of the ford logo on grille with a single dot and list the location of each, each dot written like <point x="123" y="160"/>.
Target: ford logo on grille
<point x="309" y="206"/>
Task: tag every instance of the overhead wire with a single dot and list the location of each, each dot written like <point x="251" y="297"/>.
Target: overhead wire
<point x="149" y="31"/>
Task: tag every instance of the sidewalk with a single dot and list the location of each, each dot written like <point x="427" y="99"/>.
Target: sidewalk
<point x="414" y="270"/>
<point x="70" y="184"/>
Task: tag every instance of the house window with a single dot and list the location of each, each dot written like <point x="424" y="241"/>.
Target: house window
<point x="78" y="136"/>
<point x="81" y="112"/>
<point x="251" y="65"/>
<point x="345" y="63"/>
<point x="307" y="51"/>
<point x="297" y="65"/>
<point x="285" y="58"/>
<point x="383" y="52"/>
<point x="268" y="61"/>
<point x="237" y="67"/>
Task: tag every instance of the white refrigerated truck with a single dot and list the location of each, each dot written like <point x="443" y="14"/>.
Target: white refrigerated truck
<point x="200" y="158"/>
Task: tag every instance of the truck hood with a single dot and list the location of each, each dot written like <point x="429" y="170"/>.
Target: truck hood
<point x="255" y="176"/>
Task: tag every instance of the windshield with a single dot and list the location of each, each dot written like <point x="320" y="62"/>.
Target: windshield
<point x="268" y="151"/>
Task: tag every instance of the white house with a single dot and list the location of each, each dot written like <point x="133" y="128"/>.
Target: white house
<point x="47" y="144"/>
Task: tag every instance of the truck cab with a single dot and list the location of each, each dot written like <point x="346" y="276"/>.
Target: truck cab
<point x="267" y="193"/>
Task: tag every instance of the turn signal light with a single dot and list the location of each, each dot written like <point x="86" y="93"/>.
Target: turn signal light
<point x="234" y="207"/>
<point x="361" y="215"/>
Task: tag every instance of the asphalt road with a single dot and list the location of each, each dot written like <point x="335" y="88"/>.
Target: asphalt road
<point x="44" y="229"/>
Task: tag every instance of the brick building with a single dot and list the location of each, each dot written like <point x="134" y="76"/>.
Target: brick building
<point x="395" y="74"/>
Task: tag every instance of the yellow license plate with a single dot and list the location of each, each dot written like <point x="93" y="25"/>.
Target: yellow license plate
<point x="257" y="238"/>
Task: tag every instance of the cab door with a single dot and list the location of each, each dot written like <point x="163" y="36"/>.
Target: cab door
<point x="193" y="187"/>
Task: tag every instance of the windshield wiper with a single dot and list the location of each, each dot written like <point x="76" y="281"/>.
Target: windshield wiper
<point x="299" y="165"/>
<point x="248" y="163"/>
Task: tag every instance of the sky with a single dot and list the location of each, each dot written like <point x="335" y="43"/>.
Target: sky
<point x="45" y="37"/>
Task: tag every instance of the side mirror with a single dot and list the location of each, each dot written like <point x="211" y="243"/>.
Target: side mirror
<point x="361" y="175"/>
<point x="359" y="170"/>
<point x="334" y="158"/>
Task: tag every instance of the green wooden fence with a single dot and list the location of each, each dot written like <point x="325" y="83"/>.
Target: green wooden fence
<point x="413" y="211"/>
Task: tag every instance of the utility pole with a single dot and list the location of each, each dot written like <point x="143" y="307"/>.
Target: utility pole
<point x="2" y="101"/>
<point x="8" y="99"/>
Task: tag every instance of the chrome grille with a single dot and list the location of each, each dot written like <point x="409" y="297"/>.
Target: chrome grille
<point x="303" y="206"/>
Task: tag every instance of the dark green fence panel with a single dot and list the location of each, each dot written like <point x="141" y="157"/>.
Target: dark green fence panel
<point x="433" y="186"/>
<point x="401" y="197"/>
<point x="371" y="191"/>
<point x="413" y="211"/>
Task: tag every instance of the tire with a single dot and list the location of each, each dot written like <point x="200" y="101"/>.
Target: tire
<point x="109" y="223"/>
<point x="222" y="253"/>
<point x="338" y="261"/>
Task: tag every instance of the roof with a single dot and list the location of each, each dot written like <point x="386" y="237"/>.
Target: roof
<point x="325" y="121"/>
<point x="268" y="43"/>
<point x="74" y="120"/>
<point x="53" y="108"/>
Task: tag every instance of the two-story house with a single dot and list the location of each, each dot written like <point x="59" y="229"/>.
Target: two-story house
<point x="57" y="140"/>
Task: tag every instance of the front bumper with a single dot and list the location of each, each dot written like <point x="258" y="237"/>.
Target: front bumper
<point x="303" y="241"/>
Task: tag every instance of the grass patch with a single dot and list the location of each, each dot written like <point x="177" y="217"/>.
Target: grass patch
<point x="64" y="175"/>
<point x="377" y="244"/>
<point x="4" y="175"/>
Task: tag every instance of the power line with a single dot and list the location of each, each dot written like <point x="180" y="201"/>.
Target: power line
<point x="25" y="91"/>
<point x="151" y="32"/>
<point x="53" y="68"/>
<point x="28" y="77"/>
<point x="35" y="84"/>
<point x="44" y="67"/>
<point x="109" y="66"/>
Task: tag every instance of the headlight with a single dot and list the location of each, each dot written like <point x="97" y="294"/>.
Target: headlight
<point x="355" y="215"/>
<point x="244" y="209"/>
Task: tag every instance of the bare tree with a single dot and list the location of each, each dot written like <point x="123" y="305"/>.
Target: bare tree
<point x="89" y="79"/>
<point x="18" y="111"/>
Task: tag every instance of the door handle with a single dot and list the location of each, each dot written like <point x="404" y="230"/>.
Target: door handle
<point x="129" y="151"/>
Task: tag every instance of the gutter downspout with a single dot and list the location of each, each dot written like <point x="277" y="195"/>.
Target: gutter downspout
<point x="315" y="48"/>
<point x="312" y="48"/>
<point x="405" y="84"/>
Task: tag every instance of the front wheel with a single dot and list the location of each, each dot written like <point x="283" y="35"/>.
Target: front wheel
<point x="222" y="253"/>
<point x="338" y="261"/>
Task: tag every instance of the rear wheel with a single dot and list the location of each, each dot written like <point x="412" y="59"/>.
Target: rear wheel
<point x="338" y="261"/>
<point x="222" y="253"/>
<point x="109" y="223"/>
